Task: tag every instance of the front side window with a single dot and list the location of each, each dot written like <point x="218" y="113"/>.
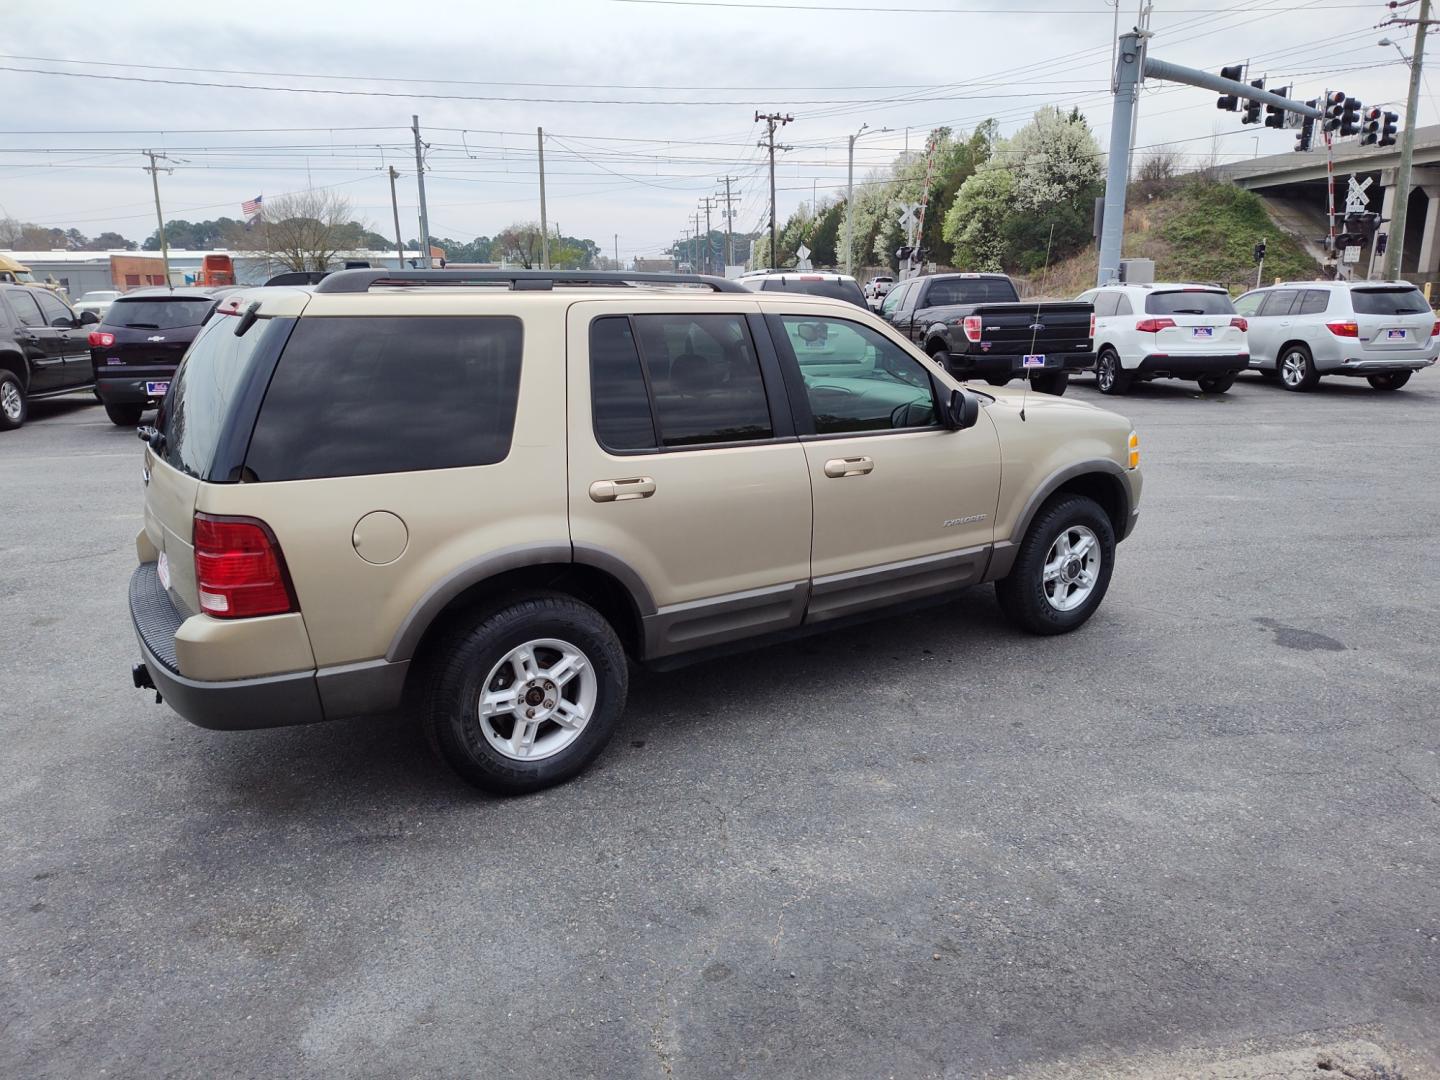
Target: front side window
<point x="894" y="298"/>
<point x="704" y="379"/>
<point x="1249" y="304"/>
<point x="56" y="313"/>
<point x="22" y="302"/>
<point x="356" y="396"/>
<point x="858" y="380"/>
<point x="1279" y="302"/>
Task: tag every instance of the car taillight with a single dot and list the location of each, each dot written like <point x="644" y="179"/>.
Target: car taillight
<point x="1092" y="324"/>
<point x="1343" y="329"/>
<point x="1435" y="329"/>
<point x="239" y="569"/>
<point x="102" y="339"/>
<point x="1153" y="326"/>
<point x="1239" y="324"/>
<point x="971" y="326"/>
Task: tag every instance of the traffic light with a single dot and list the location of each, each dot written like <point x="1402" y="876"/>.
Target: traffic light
<point x="1370" y="129"/>
<point x="1334" y="108"/>
<point x="1229" y="102"/>
<point x="1350" y="117"/>
<point x="1275" y="114"/>
<point x="1307" y="129"/>
<point x="1387" y="128"/>
<point x="903" y="253"/>
<point x="1259" y="252"/>
<point x="1252" y="108"/>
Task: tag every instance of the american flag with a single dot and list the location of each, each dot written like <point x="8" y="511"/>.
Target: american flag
<point x="251" y="207"/>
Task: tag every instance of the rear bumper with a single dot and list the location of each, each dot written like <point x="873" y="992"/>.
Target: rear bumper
<point x="1378" y="366"/>
<point x="300" y="697"/>
<point x="129" y="389"/>
<point x="1160" y="365"/>
<point x="1008" y="366"/>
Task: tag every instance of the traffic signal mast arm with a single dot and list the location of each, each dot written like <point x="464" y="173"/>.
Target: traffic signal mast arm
<point x="1161" y="69"/>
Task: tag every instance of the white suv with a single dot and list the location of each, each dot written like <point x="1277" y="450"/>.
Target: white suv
<point x="1166" y="332"/>
<point x="1381" y="330"/>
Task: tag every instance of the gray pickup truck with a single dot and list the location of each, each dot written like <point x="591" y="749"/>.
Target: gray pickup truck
<point x="976" y="325"/>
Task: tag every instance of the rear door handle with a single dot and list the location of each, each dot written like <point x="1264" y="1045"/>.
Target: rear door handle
<point x="631" y="487"/>
<point x="848" y="466"/>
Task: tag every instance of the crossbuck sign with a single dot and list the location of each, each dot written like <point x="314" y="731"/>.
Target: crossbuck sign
<point x="1356" y="200"/>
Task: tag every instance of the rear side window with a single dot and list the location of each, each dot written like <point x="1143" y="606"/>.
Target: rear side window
<point x="169" y="313"/>
<point x="835" y="289"/>
<point x="357" y="396"/>
<point x="1389" y="302"/>
<point x="970" y="291"/>
<point x="704" y="378"/>
<point x="1189" y="302"/>
<point x="1123" y="305"/>
<point x="1313" y="301"/>
<point x="196" y="409"/>
<point x="619" y="400"/>
<point x="1104" y="303"/>
<point x="1279" y="302"/>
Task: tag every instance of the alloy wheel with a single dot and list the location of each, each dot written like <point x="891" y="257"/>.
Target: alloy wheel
<point x="1072" y="567"/>
<point x="537" y="700"/>
<point x="10" y="400"/>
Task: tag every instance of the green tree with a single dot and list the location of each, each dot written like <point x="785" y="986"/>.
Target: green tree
<point x="975" y="223"/>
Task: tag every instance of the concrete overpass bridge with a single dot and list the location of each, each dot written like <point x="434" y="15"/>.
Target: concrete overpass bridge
<point x="1298" y="180"/>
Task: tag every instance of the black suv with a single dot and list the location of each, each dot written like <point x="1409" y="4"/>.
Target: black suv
<point x="42" y="350"/>
<point x="135" y="350"/>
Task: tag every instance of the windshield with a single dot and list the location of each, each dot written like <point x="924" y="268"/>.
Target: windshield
<point x="159" y="314"/>
<point x="1189" y="302"/>
<point x="1389" y="302"/>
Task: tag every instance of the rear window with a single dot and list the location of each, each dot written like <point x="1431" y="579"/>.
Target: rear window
<point x="834" y="288"/>
<point x="970" y="291"/>
<point x="169" y="313"/>
<point x="358" y="396"/>
<point x="1189" y="302"/>
<point x="1389" y="302"/>
<point x="194" y="412"/>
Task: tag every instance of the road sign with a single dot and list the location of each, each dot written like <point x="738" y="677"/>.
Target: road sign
<point x="1355" y="198"/>
<point x="1352" y="254"/>
<point x="802" y="256"/>
<point x="907" y="215"/>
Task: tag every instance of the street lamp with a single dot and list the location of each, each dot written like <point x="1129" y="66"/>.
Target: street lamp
<point x="1385" y="42"/>
<point x="850" y="198"/>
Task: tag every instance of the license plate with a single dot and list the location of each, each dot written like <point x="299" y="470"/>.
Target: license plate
<point x="1032" y="360"/>
<point x="1395" y="335"/>
<point x="157" y="389"/>
<point x="162" y="568"/>
<point x="1202" y="331"/>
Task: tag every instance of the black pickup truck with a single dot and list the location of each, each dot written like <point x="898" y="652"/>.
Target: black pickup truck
<point x="977" y="327"/>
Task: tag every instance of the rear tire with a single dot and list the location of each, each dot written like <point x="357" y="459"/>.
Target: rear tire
<point x="1391" y="380"/>
<point x="1063" y="569"/>
<point x="124" y="415"/>
<point x="1297" y="369"/>
<point x="1052" y="383"/>
<point x="1216" y="384"/>
<point x="510" y="655"/>
<point x="13" y="406"/>
<point x="1110" y="377"/>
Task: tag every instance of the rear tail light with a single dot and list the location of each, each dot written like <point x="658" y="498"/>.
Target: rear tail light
<point x="1092" y="324"/>
<point x="1435" y="329"/>
<point x="1153" y="326"/>
<point x="102" y="339"/>
<point x="1344" y="329"/>
<point x="971" y="324"/>
<point x="239" y="569"/>
<point x="1239" y="324"/>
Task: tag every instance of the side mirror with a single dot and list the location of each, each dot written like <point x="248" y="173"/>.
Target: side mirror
<point x="88" y="318"/>
<point x="960" y="410"/>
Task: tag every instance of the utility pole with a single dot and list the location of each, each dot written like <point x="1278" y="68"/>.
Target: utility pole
<point x="729" y="221"/>
<point x="705" y="259"/>
<point x="772" y="119"/>
<point x="685" y="244"/>
<point x="1395" y="252"/>
<point x="544" y="233"/>
<point x="154" y="171"/>
<point x="395" y="206"/>
<point x="420" y="182"/>
<point x="617" y="251"/>
<point x="850" y="199"/>
<point x="695" y="258"/>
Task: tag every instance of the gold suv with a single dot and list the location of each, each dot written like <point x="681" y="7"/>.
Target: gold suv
<point x="483" y="492"/>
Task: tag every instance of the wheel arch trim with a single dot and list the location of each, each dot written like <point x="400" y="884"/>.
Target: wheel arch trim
<point x="1006" y="551"/>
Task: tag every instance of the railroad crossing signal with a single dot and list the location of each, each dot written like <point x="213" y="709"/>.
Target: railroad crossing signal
<point x="802" y="258"/>
<point x="907" y="216"/>
<point x="1355" y="198"/>
<point x="1307" y="129"/>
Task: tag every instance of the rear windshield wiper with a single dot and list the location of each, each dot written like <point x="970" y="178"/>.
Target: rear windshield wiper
<point x="1187" y="311"/>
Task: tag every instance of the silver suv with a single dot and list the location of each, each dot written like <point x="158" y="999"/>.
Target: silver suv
<point x="1301" y="330"/>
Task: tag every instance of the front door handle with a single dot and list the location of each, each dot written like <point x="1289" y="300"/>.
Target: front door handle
<point x="632" y="487"/>
<point x="848" y="466"/>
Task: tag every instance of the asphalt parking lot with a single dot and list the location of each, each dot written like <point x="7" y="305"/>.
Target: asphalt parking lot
<point x="1204" y="824"/>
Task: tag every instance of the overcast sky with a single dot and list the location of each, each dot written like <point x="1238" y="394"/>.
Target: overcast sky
<point x="69" y="149"/>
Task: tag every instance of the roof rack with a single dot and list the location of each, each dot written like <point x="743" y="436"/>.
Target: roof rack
<point x="359" y="281"/>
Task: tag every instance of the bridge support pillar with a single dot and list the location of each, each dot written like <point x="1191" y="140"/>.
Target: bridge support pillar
<point x="1430" y="239"/>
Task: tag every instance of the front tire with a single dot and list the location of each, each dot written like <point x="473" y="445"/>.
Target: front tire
<point x="1063" y="569"/>
<point x="124" y="415"/>
<point x="1110" y="377"/>
<point x="13" y="406"/>
<point x="1052" y="383"/>
<point x="1216" y="384"/>
<point x="1391" y="380"/>
<point x="527" y="695"/>
<point x="1297" y="369"/>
